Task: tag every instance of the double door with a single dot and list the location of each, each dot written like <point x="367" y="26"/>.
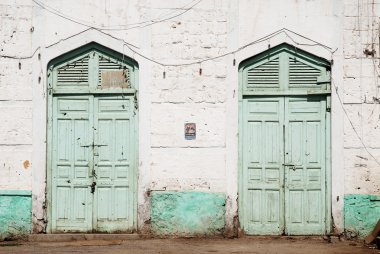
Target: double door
<point x="92" y="163"/>
<point x="284" y="165"/>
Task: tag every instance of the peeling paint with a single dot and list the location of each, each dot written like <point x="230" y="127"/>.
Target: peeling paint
<point x="187" y="213"/>
<point x="15" y="214"/>
<point x="361" y="213"/>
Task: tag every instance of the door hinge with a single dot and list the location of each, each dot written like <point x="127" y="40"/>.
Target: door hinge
<point x="92" y="186"/>
<point x="328" y="104"/>
<point x="136" y="106"/>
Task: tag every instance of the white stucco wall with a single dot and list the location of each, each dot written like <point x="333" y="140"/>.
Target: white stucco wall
<point x="16" y="98"/>
<point x="211" y="28"/>
<point x="360" y="97"/>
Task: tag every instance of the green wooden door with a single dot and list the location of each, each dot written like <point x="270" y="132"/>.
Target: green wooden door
<point x="92" y="141"/>
<point x="92" y="157"/>
<point x="284" y="165"/>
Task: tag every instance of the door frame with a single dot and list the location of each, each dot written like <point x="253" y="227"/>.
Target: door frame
<point x="242" y="95"/>
<point x="49" y="126"/>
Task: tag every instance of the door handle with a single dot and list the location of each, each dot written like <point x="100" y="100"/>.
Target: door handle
<point x="292" y="166"/>
<point x="93" y="145"/>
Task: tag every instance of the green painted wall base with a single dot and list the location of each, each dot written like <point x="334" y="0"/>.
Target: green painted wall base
<point x="187" y="213"/>
<point x="361" y="213"/>
<point x="15" y="214"/>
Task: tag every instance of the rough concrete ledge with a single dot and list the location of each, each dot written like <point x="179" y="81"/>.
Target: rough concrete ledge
<point x="80" y="237"/>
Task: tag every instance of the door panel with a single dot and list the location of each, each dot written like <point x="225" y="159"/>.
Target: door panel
<point x="305" y="181"/>
<point x="262" y="172"/>
<point x="284" y="165"/>
<point x="113" y="153"/>
<point x="71" y="162"/>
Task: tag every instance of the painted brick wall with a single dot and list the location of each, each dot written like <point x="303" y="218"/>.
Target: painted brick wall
<point x="361" y="125"/>
<point x="361" y="92"/>
<point x="15" y="95"/>
<point x="213" y="27"/>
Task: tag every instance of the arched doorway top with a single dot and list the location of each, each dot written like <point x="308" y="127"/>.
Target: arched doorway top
<point x="92" y="68"/>
<point x="284" y="69"/>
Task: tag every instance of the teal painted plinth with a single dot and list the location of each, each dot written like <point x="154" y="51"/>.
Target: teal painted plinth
<point x="361" y="213"/>
<point x="187" y="213"/>
<point x="15" y="214"/>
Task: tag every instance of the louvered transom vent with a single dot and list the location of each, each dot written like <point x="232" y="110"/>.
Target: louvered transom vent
<point x="74" y="72"/>
<point x="265" y="75"/>
<point x="301" y="74"/>
<point x="113" y="74"/>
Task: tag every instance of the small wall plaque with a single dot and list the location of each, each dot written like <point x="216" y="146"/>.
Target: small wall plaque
<point x="190" y="131"/>
<point x="114" y="78"/>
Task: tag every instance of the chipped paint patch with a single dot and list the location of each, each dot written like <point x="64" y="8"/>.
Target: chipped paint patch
<point x="361" y="213"/>
<point x="187" y="213"/>
<point x="15" y="214"/>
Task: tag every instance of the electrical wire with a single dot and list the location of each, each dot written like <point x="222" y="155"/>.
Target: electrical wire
<point x="88" y="29"/>
<point x="120" y="27"/>
<point x="169" y="18"/>
<point x="351" y="123"/>
<point x="283" y="30"/>
<point x="21" y="57"/>
<point x="152" y="22"/>
<point x="100" y="29"/>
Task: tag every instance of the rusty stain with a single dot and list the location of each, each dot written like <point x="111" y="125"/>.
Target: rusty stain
<point x="26" y="164"/>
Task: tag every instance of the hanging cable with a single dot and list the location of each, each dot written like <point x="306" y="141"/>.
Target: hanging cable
<point x="132" y="47"/>
<point x="283" y="30"/>
<point x="21" y="57"/>
<point x="120" y="27"/>
<point x="351" y="123"/>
